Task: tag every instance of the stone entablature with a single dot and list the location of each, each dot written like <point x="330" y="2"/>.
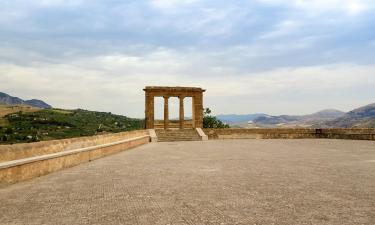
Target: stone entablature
<point x="195" y="93"/>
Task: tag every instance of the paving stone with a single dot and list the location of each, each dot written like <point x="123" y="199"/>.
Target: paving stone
<point x="313" y="181"/>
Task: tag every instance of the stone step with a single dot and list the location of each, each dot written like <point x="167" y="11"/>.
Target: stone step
<point x="198" y="138"/>
<point x="178" y="139"/>
<point x="176" y="131"/>
<point x="177" y="135"/>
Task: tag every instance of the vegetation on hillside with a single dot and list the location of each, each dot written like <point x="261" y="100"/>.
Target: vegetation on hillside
<point x="210" y="121"/>
<point x="49" y="124"/>
<point x="8" y="109"/>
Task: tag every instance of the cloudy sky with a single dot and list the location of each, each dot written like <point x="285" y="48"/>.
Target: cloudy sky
<point x="270" y="56"/>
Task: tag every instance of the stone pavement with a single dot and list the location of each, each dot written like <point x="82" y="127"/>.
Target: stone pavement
<point x="215" y="182"/>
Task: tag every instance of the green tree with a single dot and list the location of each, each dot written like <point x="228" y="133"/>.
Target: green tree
<point x="9" y="131"/>
<point x="210" y="121"/>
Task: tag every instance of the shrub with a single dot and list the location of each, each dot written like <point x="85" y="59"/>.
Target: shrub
<point x="211" y="121"/>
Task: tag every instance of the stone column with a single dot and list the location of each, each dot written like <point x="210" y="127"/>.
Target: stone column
<point x="198" y="110"/>
<point x="166" y="112"/>
<point x="193" y="111"/>
<point x="182" y="116"/>
<point x="149" y="111"/>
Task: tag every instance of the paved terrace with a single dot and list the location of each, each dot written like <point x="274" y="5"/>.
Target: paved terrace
<point x="214" y="182"/>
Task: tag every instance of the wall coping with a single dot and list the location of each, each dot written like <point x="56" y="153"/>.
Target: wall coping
<point x="19" y="162"/>
<point x="292" y="133"/>
<point x="288" y="130"/>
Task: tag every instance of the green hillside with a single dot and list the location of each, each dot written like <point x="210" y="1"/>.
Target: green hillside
<point x="49" y="124"/>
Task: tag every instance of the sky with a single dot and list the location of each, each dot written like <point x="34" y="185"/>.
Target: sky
<point x="252" y="56"/>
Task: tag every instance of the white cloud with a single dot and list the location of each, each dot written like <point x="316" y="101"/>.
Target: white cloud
<point x="349" y="7"/>
<point x="114" y="82"/>
<point x="323" y="78"/>
<point x="171" y="4"/>
<point x="294" y="90"/>
<point x="101" y="54"/>
<point x="63" y="3"/>
<point x="282" y="29"/>
<point x="212" y="22"/>
<point x="356" y="7"/>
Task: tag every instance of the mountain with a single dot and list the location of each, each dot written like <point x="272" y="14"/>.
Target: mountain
<point x="304" y="120"/>
<point x="276" y="120"/>
<point x="264" y="120"/>
<point x="38" y="103"/>
<point x="326" y="114"/>
<point x="10" y="100"/>
<point x="363" y="117"/>
<point x="235" y="118"/>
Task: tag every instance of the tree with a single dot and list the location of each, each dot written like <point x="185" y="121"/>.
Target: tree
<point x="210" y="121"/>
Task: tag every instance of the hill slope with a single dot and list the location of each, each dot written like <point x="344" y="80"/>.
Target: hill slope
<point x="305" y="120"/>
<point x="363" y="117"/>
<point x="9" y="109"/>
<point x="10" y="100"/>
<point x="49" y="124"/>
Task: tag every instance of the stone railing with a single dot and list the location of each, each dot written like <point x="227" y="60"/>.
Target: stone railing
<point x="25" y="161"/>
<point x="290" y="133"/>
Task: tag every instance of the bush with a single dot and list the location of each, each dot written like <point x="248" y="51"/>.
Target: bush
<point x="9" y="131"/>
<point x="211" y="121"/>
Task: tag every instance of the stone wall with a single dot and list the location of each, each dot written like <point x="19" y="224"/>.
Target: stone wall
<point x="25" y="150"/>
<point x="290" y="133"/>
<point x="37" y="159"/>
<point x="354" y="134"/>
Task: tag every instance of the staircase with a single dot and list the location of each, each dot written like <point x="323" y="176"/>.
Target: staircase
<point x="177" y="135"/>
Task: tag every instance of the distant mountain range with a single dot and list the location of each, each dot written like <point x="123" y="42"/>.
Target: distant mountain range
<point x="361" y="117"/>
<point x="268" y="120"/>
<point x="10" y="100"/>
<point x="305" y="120"/>
<point x="235" y="118"/>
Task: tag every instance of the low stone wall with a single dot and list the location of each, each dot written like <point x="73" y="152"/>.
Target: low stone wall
<point x="290" y="133"/>
<point x="26" y="150"/>
<point x="354" y="134"/>
<point x="63" y="155"/>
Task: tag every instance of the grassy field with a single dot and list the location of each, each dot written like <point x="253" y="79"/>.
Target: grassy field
<point x="33" y="125"/>
<point x="9" y="109"/>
